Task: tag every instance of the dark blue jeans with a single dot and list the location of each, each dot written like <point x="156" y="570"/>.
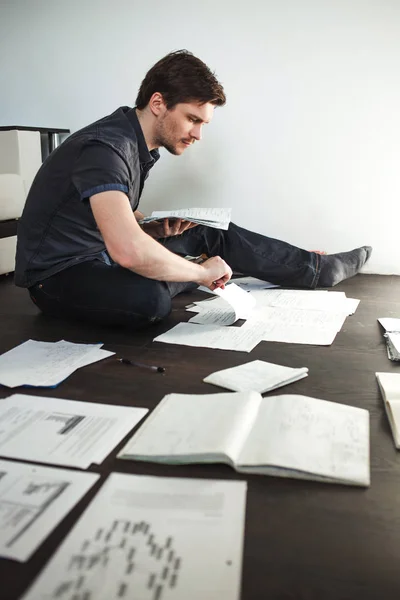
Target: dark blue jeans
<point x="109" y="294"/>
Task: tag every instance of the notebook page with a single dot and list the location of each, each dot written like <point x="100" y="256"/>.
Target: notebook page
<point x="314" y="436"/>
<point x="389" y="384"/>
<point x="185" y="425"/>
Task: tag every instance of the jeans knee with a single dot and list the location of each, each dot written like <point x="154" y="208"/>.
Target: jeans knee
<point x="158" y="305"/>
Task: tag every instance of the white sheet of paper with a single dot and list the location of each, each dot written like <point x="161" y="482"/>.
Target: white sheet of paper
<point x="152" y="538"/>
<point x="211" y="336"/>
<point x="33" y="500"/>
<point x="389" y="384"/>
<point x="250" y="284"/>
<point x="302" y="299"/>
<point x="296" y="326"/>
<point x="242" y="301"/>
<point x="185" y="424"/>
<point x="257" y="375"/>
<point x="394" y="337"/>
<point x="298" y="318"/>
<point x="62" y="432"/>
<point x="390" y="324"/>
<point x="311" y="435"/>
<point x="212" y="217"/>
<point x="351" y="305"/>
<point x="225" y="315"/>
<point x="234" y="304"/>
<point x="288" y="334"/>
<point x="46" y="363"/>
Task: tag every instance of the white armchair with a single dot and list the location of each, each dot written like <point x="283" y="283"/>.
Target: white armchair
<point x="20" y="159"/>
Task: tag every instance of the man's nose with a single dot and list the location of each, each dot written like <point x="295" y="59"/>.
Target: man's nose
<point x="196" y="132"/>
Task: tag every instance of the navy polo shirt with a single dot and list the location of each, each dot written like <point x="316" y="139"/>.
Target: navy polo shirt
<point x="57" y="228"/>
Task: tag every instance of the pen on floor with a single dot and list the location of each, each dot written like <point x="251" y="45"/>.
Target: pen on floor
<point x="132" y="363"/>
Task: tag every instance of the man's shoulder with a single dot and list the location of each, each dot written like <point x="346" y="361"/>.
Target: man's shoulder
<point x="113" y="130"/>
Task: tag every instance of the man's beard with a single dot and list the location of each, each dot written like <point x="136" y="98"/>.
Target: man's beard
<point x="163" y="140"/>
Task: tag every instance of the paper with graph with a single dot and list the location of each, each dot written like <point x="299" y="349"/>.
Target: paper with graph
<point x="33" y="500"/>
<point x="152" y="538"/>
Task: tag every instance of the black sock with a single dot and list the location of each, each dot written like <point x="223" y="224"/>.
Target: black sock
<point x="337" y="267"/>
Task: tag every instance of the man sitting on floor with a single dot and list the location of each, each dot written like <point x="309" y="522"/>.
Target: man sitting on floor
<point x="81" y="251"/>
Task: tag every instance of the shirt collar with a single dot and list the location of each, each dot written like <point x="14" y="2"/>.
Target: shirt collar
<point x="145" y="156"/>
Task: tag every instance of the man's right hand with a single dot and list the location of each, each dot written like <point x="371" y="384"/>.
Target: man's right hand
<point x="216" y="273"/>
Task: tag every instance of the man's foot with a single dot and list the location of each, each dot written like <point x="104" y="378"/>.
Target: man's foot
<point x="337" y="267"/>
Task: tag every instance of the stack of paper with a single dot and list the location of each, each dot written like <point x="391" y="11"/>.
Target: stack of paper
<point x="219" y="218"/>
<point x="63" y="432"/>
<point x="151" y="538"/>
<point x="290" y="316"/>
<point x="392" y="335"/>
<point x="46" y="364"/>
<point x="257" y="375"/>
<point x="389" y="384"/>
<point x="33" y="500"/>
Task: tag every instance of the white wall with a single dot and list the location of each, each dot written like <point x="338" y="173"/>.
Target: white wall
<point x="307" y="148"/>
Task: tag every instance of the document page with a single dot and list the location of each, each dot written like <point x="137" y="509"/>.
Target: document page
<point x="390" y="324"/>
<point x="46" y="364"/>
<point x="152" y="538"/>
<point x="198" y="426"/>
<point x="62" y="432"/>
<point x="249" y="284"/>
<point x="240" y="339"/>
<point x="314" y="436"/>
<point x="303" y="299"/>
<point x="212" y="217"/>
<point x="389" y="384"/>
<point x="296" y="326"/>
<point x="236" y="304"/>
<point x="33" y="500"/>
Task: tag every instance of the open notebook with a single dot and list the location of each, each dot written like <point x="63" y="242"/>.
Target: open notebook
<point x="389" y="384"/>
<point x="287" y="436"/>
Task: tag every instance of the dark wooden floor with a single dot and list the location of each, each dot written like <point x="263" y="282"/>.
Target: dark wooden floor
<point x="303" y="540"/>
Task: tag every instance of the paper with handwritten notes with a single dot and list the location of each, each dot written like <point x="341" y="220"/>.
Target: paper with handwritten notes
<point x="288" y="436"/>
<point x="46" y="364"/>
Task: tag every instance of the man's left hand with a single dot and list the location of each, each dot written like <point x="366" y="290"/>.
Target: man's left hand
<point x="167" y="227"/>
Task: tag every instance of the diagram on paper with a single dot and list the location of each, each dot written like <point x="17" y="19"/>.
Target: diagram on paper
<point x="125" y="560"/>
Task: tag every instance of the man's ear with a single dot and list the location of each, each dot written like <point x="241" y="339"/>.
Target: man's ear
<point x="157" y="104"/>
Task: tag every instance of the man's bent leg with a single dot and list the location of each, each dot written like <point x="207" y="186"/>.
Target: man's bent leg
<point x="99" y="293"/>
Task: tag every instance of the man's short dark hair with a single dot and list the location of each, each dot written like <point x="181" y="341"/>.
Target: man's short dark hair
<point x="181" y="77"/>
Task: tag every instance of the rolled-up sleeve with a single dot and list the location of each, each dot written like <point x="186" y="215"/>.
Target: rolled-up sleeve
<point x="99" y="168"/>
